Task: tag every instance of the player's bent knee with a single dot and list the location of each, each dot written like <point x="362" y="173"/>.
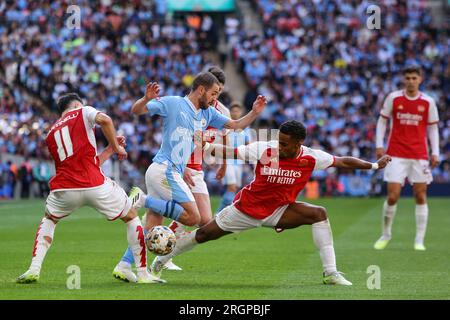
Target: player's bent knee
<point x="320" y="214"/>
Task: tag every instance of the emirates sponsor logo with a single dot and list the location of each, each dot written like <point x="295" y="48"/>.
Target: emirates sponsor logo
<point x="268" y="171"/>
<point x="409" y="118"/>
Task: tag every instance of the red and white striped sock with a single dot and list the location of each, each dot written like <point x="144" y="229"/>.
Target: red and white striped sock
<point x="42" y="242"/>
<point x="136" y="241"/>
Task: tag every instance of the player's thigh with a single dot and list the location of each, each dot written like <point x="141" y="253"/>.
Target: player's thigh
<point x="204" y="207"/>
<point x="301" y="213"/>
<point x="420" y="172"/>
<point x="164" y="181"/>
<point x="230" y="219"/>
<point x="110" y="200"/>
<point x="60" y="204"/>
<point x="397" y="170"/>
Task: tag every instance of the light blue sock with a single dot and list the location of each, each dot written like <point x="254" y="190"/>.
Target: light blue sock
<point x="169" y="209"/>
<point x="128" y="255"/>
<point x="227" y="199"/>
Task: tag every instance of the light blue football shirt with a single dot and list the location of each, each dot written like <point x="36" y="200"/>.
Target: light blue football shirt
<point x="180" y="120"/>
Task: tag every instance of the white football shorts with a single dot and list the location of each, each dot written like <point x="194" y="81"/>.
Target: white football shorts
<point x="200" y="185"/>
<point x="164" y="182"/>
<point x="109" y="199"/>
<point x="417" y="171"/>
<point x="232" y="220"/>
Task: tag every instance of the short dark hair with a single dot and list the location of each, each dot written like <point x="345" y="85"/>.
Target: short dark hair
<point x="294" y="129"/>
<point x="412" y="69"/>
<point x="205" y="79"/>
<point x="65" y="100"/>
<point x="218" y="73"/>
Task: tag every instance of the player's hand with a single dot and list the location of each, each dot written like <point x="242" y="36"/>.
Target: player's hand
<point x="221" y="172"/>
<point x="152" y="91"/>
<point x="121" y="153"/>
<point x="198" y="139"/>
<point x="122" y="141"/>
<point x="259" y="104"/>
<point x="379" y="152"/>
<point x="434" y="161"/>
<point x="383" y="161"/>
<point x="187" y="177"/>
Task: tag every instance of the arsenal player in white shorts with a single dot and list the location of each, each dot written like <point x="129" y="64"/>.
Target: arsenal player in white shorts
<point x="282" y="170"/>
<point x="413" y="114"/>
<point x="79" y="181"/>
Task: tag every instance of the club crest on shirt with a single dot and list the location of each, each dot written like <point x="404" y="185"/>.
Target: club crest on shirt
<point x="421" y="108"/>
<point x="400" y="107"/>
<point x="203" y="122"/>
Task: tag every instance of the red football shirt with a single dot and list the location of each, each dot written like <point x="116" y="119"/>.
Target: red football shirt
<point x="277" y="181"/>
<point x="209" y="135"/>
<point x="410" y="118"/>
<point x="72" y="145"/>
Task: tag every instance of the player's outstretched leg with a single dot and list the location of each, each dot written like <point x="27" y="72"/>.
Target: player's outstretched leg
<point x="300" y="213"/>
<point x="42" y="242"/>
<point x="186" y="242"/>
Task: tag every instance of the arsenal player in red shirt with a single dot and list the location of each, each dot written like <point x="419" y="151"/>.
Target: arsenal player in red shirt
<point x="282" y="170"/>
<point x="413" y="114"/>
<point x="79" y="181"/>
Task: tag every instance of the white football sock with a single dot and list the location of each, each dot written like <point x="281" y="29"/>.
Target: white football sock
<point x="176" y="227"/>
<point x="421" y="222"/>
<point x="388" y="219"/>
<point x="184" y="243"/>
<point x="136" y="242"/>
<point x="44" y="233"/>
<point x="323" y="239"/>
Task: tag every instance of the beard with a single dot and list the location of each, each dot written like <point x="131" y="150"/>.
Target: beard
<point x="203" y="102"/>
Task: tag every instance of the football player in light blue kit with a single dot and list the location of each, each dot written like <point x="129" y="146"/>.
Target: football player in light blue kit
<point x="233" y="174"/>
<point x="167" y="193"/>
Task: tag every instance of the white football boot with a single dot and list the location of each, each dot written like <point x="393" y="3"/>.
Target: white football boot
<point x="336" y="278"/>
<point x="123" y="272"/>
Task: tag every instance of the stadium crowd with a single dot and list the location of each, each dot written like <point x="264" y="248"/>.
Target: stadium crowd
<point x="317" y="62"/>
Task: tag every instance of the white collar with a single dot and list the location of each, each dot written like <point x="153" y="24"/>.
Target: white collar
<point x="412" y="98"/>
<point x="197" y="111"/>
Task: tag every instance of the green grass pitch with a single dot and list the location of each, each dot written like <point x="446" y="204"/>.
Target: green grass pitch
<point x="257" y="264"/>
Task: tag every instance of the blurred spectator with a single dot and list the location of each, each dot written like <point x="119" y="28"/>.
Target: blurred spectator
<point x="41" y="174"/>
<point x="25" y="177"/>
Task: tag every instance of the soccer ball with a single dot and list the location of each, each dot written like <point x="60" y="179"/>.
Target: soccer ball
<point x="160" y="240"/>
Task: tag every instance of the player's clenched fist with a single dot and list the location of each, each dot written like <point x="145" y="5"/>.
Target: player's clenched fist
<point x="383" y="161"/>
<point x="152" y="90"/>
